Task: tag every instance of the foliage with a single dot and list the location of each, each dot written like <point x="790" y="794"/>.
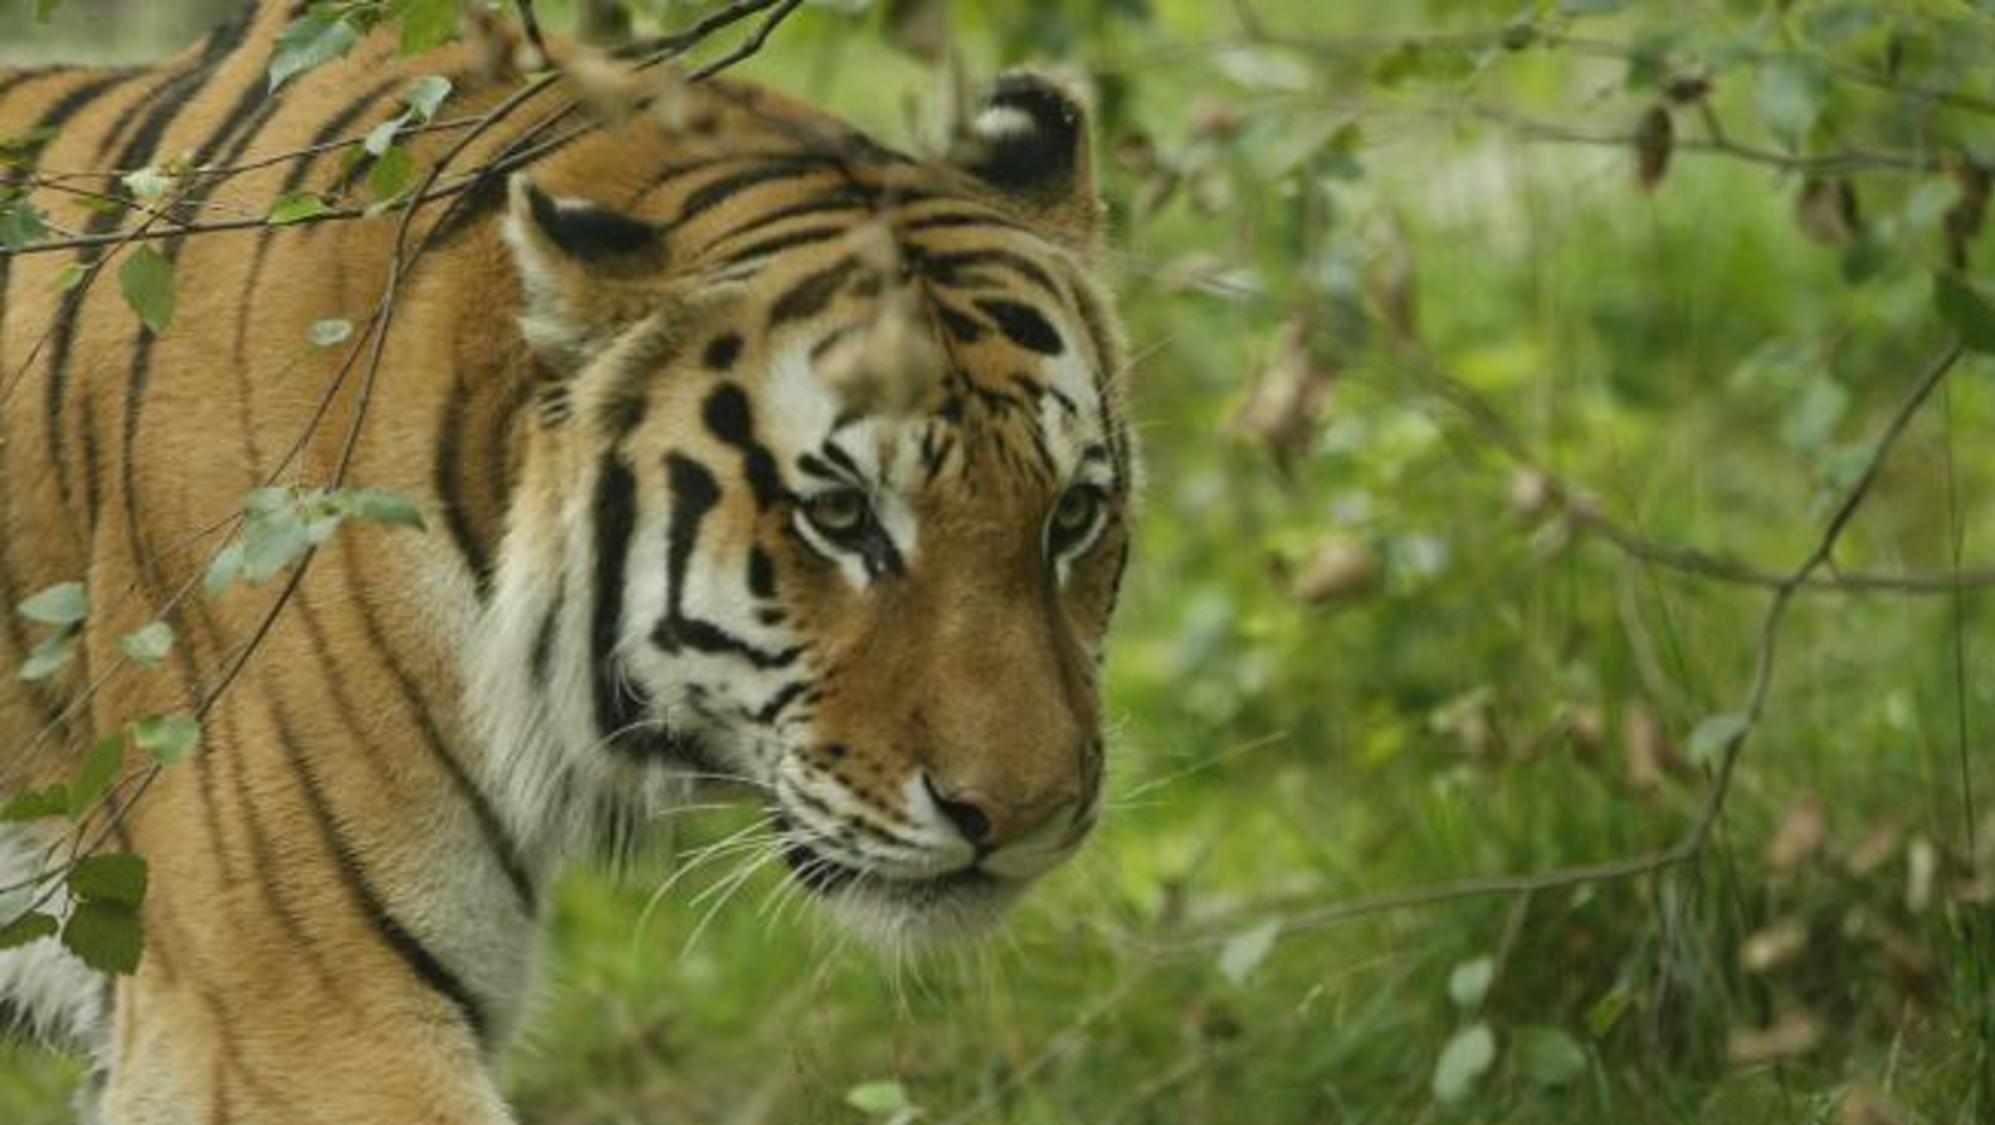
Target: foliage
<point x="1445" y="309"/>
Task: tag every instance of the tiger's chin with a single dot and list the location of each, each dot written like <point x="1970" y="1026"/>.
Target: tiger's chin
<point x="905" y="914"/>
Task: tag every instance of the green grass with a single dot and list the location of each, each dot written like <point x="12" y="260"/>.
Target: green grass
<point x="1693" y="362"/>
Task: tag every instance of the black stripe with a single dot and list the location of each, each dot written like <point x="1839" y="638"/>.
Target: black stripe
<point x="944" y="269"/>
<point x="64" y="108"/>
<point x="615" y="518"/>
<point x="543" y="640"/>
<point x="164" y="108"/>
<point x="245" y="119"/>
<point x="810" y="295"/>
<point x="420" y="961"/>
<point x="722" y="351"/>
<point x="943" y="220"/>
<point x="847" y="197"/>
<point x="269" y="869"/>
<point x="808" y="236"/>
<point x="695" y="493"/>
<point x="719" y="191"/>
<point x="448" y="478"/>
<point x="1094" y="319"/>
<point x="17" y="78"/>
<point x="1023" y="325"/>
<point x="504" y="849"/>
<point x="780" y="702"/>
<point x="960" y="324"/>
<point x="335" y="127"/>
<point x="730" y="418"/>
<point x="761" y="573"/>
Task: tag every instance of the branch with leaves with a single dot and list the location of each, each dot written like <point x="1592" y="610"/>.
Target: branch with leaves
<point x="278" y="531"/>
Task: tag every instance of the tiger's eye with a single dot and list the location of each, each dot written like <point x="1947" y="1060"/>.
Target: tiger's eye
<point x="1074" y="516"/>
<point x="838" y="513"/>
<point x="1076" y="509"/>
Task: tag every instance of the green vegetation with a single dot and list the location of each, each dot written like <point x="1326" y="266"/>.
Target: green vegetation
<point x="1447" y="315"/>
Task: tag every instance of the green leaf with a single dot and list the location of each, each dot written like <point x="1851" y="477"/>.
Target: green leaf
<point x="383" y="135"/>
<point x="115" y="877"/>
<point x="32" y="926"/>
<point x="45" y="8"/>
<point x="223" y="569"/>
<point x="332" y="330"/>
<point x="1463" y="1062"/>
<point x="147" y="281"/>
<point x="36" y="804"/>
<point x="1469" y="983"/>
<point x="390" y="174"/>
<point x="1811" y="421"/>
<point x="1547" y="1055"/>
<point x="47" y="658"/>
<point x="380" y="506"/>
<point x="149" y="645"/>
<point x="1244" y="951"/>
<point x="169" y="738"/>
<point x="148" y="185"/>
<point x="1967" y="310"/>
<point x="426" y="23"/>
<point x="426" y="95"/>
<point x="1790" y="100"/>
<point x="94" y="776"/>
<point x="321" y="36"/>
<point x="106" y="935"/>
<point x="273" y="535"/>
<point x="70" y="276"/>
<point x="64" y="603"/>
<point x="20" y="224"/>
<point x="881" y="1099"/>
<point x="1591" y="7"/>
<point x="296" y="208"/>
<point x="1707" y="742"/>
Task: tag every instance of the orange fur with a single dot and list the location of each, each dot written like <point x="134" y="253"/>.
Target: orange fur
<point x="336" y="830"/>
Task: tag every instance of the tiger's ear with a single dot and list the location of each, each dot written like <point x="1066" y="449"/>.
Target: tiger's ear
<point x="1030" y="142"/>
<point x="586" y="271"/>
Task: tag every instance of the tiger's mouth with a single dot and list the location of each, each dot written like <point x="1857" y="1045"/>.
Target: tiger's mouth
<point x="904" y="911"/>
<point x="826" y="876"/>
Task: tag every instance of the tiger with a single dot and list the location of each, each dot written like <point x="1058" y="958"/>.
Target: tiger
<point x="752" y="455"/>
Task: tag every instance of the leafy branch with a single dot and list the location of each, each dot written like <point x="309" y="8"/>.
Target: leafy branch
<point x="1735" y="729"/>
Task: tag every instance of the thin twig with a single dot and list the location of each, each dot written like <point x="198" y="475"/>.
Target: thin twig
<point x="1691" y="846"/>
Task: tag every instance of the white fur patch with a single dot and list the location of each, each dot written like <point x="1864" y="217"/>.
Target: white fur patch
<point x="59" y="996"/>
<point x="1002" y="122"/>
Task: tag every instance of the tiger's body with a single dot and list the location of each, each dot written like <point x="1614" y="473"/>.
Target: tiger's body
<point x="675" y="531"/>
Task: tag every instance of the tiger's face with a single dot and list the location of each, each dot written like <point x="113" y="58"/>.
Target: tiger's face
<point x="844" y="496"/>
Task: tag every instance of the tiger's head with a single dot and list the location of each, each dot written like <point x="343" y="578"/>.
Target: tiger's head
<point x="827" y="493"/>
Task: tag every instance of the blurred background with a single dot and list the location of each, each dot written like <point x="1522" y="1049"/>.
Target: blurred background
<point x="1495" y="360"/>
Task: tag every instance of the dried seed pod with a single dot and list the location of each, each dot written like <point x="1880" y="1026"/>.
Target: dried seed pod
<point x="1531" y="494"/>
<point x="1865" y="1104"/>
<point x="1338" y="570"/>
<point x="1827" y="211"/>
<point x="1801" y="834"/>
<point x="1286" y="397"/>
<point x="1687" y="89"/>
<point x="1768" y="949"/>
<point x="1645" y="749"/>
<point x="1655" y="141"/>
<point x="1874" y="850"/>
<point x="921" y="28"/>
<point x="1793" y="1033"/>
<point x="1922" y="863"/>
<point x="1970" y="209"/>
<point x="1390" y="279"/>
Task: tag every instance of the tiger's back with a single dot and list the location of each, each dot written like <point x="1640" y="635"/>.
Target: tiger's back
<point x="348" y="876"/>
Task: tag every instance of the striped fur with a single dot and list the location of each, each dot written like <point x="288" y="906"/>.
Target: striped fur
<point x="752" y="452"/>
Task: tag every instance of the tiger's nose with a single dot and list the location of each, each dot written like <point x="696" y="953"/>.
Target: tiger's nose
<point x="988" y="823"/>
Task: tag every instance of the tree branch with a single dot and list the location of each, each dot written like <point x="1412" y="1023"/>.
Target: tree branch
<point x="1691" y="846"/>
